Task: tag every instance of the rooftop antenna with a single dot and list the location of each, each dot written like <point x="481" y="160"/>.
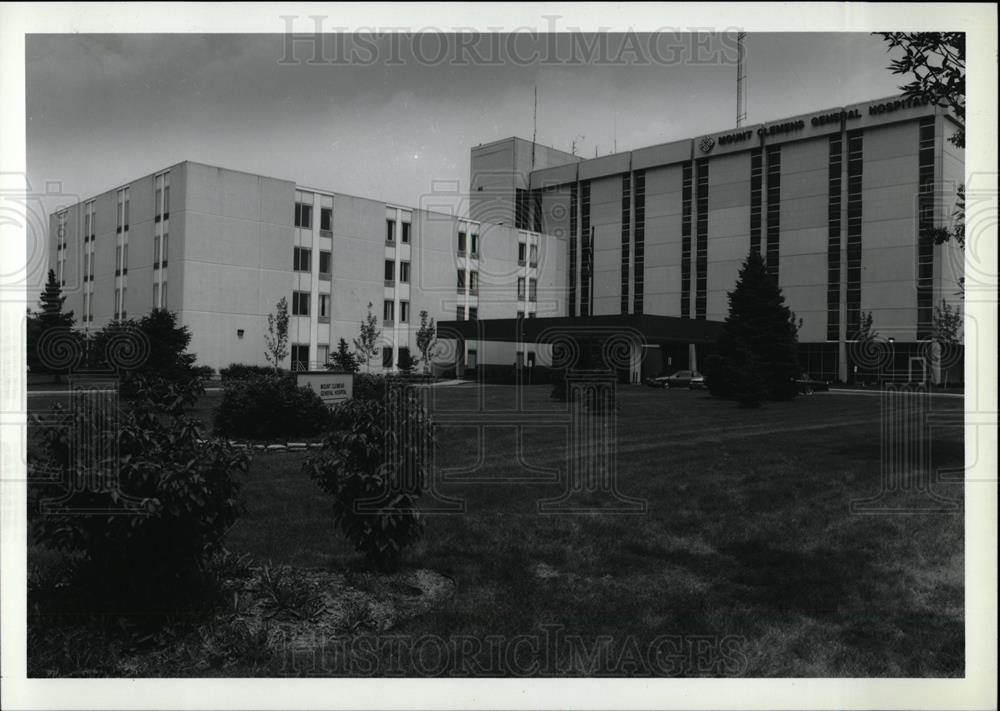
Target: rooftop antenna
<point x="741" y="78"/>
<point x="615" y="134"/>
<point x="534" y="129"/>
<point x="573" y="147"/>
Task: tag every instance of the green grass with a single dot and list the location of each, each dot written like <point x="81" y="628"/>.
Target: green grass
<point x="746" y="561"/>
<point x="748" y="537"/>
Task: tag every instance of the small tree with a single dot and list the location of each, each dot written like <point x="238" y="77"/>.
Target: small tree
<point x="757" y="351"/>
<point x="367" y="342"/>
<point x="427" y="340"/>
<point x="52" y="345"/>
<point x="343" y="359"/>
<point x="276" y="339"/>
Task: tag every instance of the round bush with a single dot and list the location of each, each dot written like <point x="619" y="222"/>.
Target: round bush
<point x="270" y="408"/>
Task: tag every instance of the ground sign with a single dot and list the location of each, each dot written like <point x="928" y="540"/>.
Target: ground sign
<point x="333" y="388"/>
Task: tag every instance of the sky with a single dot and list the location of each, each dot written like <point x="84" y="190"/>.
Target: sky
<point x="393" y="118"/>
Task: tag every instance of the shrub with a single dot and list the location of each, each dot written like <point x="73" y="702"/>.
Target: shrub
<point x="369" y="387"/>
<point x="270" y="407"/>
<point x="205" y="372"/>
<point x="239" y="371"/>
<point x="147" y="537"/>
<point x="375" y="473"/>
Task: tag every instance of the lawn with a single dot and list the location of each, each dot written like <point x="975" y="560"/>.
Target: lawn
<point x="747" y="559"/>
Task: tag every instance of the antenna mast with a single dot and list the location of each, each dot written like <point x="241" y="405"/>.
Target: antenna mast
<point x="741" y="77"/>
<point x="534" y="128"/>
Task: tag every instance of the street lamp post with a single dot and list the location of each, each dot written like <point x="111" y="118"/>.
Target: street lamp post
<point x="892" y="357"/>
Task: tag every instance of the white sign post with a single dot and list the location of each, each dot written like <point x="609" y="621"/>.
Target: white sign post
<point x="332" y="387"/>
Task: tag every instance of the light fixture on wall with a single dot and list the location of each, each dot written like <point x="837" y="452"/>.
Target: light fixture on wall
<point x="239" y="333"/>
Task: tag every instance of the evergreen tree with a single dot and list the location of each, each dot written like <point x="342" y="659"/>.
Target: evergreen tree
<point x="344" y="359"/>
<point x="52" y="345"/>
<point x="757" y="353"/>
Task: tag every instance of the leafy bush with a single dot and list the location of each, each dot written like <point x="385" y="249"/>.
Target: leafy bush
<point x="369" y="387"/>
<point x="375" y="473"/>
<point x="239" y="371"/>
<point x="147" y="530"/>
<point x="270" y="407"/>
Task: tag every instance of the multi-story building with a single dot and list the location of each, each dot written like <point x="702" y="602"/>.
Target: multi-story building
<point x="841" y="203"/>
<point x="221" y="247"/>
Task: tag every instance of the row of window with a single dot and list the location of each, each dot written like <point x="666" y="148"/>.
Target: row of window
<point x="304" y="216"/>
<point x="390" y="231"/>
<point x="302" y="260"/>
<point x="523" y="249"/>
<point x="389" y="311"/>
<point x="390" y="272"/>
<point x="301" y="301"/>
<point x="468" y="240"/>
<point x="473" y="281"/>
<point x="300" y="356"/>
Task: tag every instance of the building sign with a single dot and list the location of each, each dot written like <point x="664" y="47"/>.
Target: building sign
<point x="777" y="128"/>
<point x="890" y="106"/>
<point x="834" y="117"/>
<point x="706" y="144"/>
<point x="333" y="388"/>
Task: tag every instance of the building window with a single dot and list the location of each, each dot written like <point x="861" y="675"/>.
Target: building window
<point x="302" y="259"/>
<point x="531" y="314"/>
<point x="404" y="311"/>
<point x="461" y="243"/>
<point x="323" y="354"/>
<point x="390" y="271"/>
<point x="404" y="358"/>
<point x="521" y="253"/>
<point x="324" y="306"/>
<point x="405" y="237"/>
<point x="626" y="243"/>
<point x="473" y="313"/>
<point x="472" y="360"/>
<point x="461" y="280"/>
<point x="163" y="259"/>
<point x="474" y="244"/>
<point x="586" y="251"/>
<point x="163" y="296"/>
<point x="387" y="357"/>
<point x="300" y="303"/>
<point x="166" y="196"/>
<point x="389" y="312"/>
<point x="404" y="272"/>
<point x="639" y="238"/>
<point x="532" y="290"/>
<point x="326" y="219"/>
<point x="156" y="251"/>
<point x="324" y="262"/>
<point x="156" y="297"/>
<point x="126" y="210"/>
<point x="303" y="215"/>
<point x="520" y="288"/>
<point x="520" y="315"/>
<point x="687" y="183"/>
<point x="118" y="303"/>
<point x="459" y="313"/>
<point x="118" y="260"/>
<point x="390" y="230"/>
<point x="473" y="282"/>
<point x="533" y="261"/>
<point x="300" y="357"/>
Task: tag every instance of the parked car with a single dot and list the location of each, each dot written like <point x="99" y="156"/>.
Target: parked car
<point x="808" y="385"/>
<point x="681" y="379"/>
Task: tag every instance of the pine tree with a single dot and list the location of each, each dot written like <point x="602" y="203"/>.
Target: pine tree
<point x="757" y="353"/>
<point x="52" y="345"/>
<point x="344" y="359"/>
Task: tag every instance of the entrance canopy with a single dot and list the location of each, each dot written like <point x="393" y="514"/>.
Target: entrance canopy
<point x="637" y="327"/>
